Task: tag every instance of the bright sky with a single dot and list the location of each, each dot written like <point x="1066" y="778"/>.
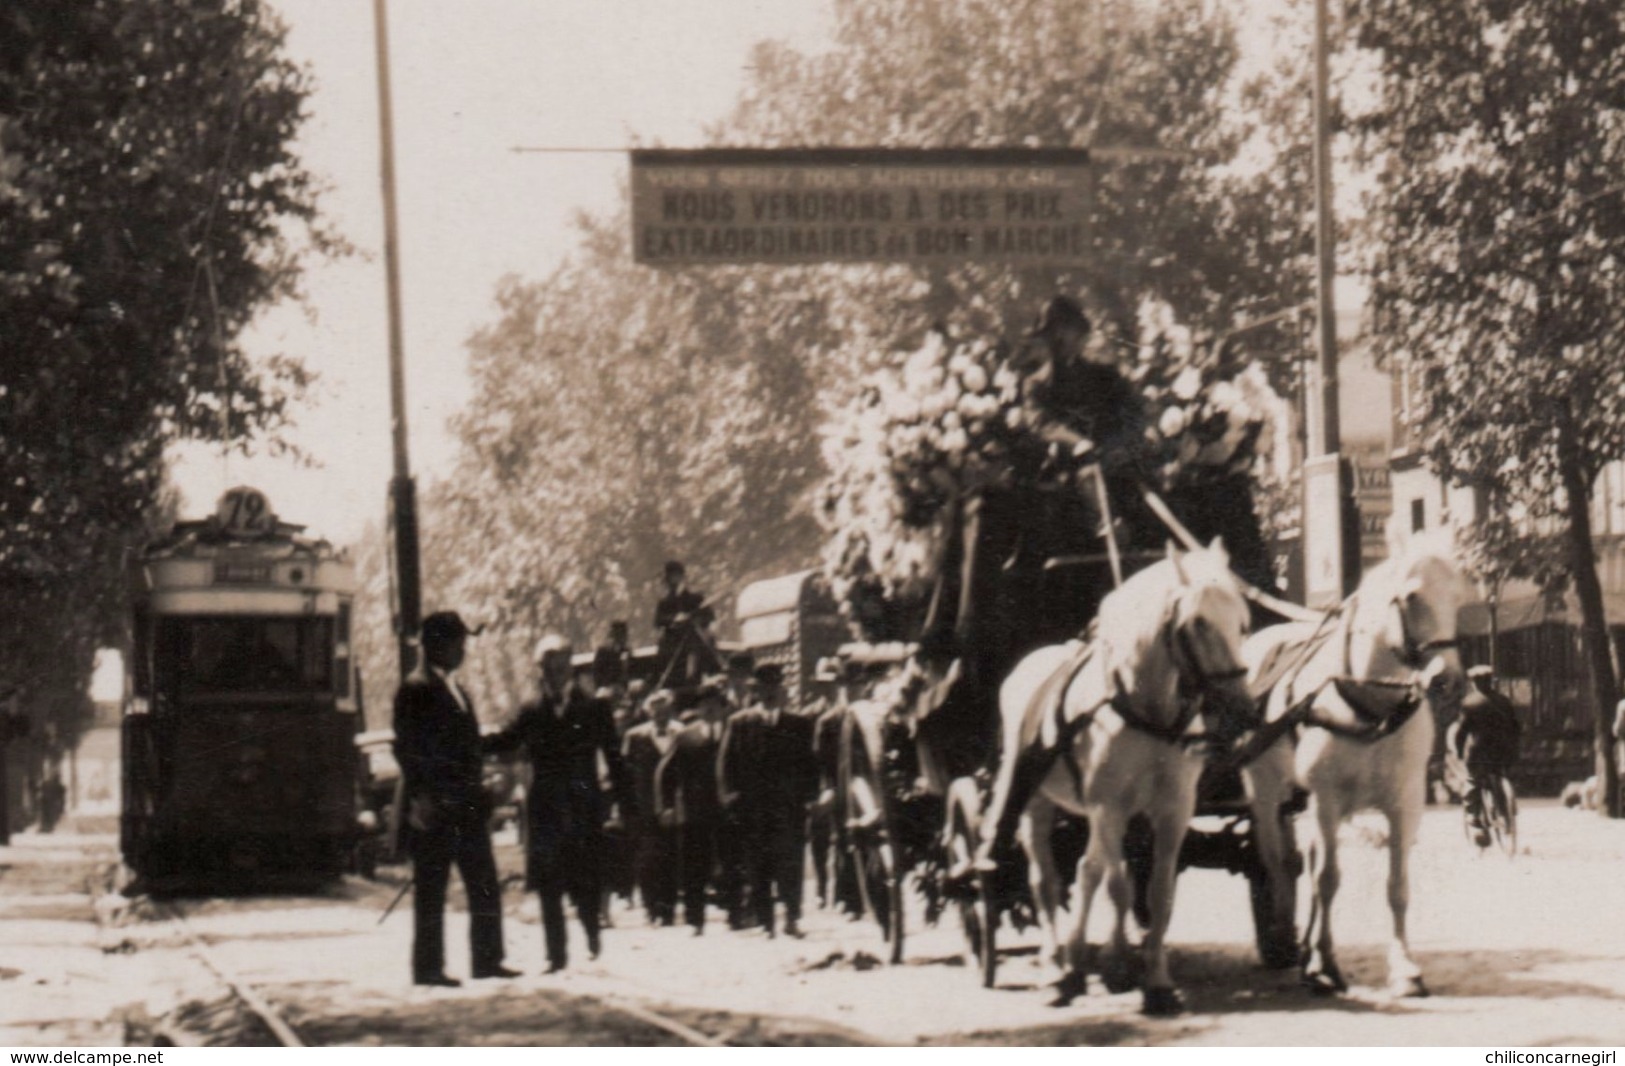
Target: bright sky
<point x="471" y="81"/>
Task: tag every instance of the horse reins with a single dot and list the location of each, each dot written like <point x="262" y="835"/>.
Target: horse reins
<point x="1180" y="647"/>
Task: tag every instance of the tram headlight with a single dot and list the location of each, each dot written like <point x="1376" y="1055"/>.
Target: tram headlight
<point x="138" y="705"/>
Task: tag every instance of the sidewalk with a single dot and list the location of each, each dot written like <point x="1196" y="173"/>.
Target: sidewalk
<point x="56" y="986"/>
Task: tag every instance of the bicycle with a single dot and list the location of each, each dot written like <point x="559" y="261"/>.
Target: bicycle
<point x="1498" y="802"/>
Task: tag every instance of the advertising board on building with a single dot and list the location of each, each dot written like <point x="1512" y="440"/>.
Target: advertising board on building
<point x="1374" y="492"/>
<point x="855" y="205"/>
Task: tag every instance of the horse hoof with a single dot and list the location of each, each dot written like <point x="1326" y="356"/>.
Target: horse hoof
<point x="1325" y="983"/>
<point x="1069" y="988"/>
<point x="1162" y="1003"/>
<point x="1411" y="988"/>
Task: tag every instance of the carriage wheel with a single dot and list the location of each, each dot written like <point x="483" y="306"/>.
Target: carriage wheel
<point x="978" y="910"/>
<point x="880" y="881"/>
<point x="988" y="906"/>
<point x="1501" y="811"/>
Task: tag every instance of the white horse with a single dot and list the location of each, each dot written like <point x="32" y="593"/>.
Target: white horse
<point x="1354" y="689"/>
<point x="1126" y="733"/>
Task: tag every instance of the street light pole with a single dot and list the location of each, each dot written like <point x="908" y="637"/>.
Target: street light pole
<point x="1325" y="431"/>
<point x="402" y="491"/>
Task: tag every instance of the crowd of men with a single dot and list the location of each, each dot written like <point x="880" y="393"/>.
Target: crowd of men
<point x="692" y="791"/>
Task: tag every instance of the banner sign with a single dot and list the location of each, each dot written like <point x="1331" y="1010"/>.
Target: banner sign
<point x="857" y="205"/>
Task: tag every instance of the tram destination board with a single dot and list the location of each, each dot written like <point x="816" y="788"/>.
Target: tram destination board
<point x="857" y="205"/>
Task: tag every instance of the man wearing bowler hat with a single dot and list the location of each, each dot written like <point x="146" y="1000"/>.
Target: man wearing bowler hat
<point x="654" y="845"/>
<point x="686" y="796"/>
<point x="437" y="743"/>
<point x="683" y="618"/>
<point x="564" y="732"/>
<point x="767" y="773"/>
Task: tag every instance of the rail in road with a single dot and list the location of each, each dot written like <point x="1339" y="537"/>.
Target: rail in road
<point x="285" y="1034"/>
<point x="288" y="1035"/>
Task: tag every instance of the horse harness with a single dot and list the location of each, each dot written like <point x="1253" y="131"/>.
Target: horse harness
<point x="1050" y="701"/>
<point x="1372" y="723"/>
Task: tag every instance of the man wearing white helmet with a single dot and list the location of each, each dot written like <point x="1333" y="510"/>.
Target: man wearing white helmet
<point x="564" y="732"/>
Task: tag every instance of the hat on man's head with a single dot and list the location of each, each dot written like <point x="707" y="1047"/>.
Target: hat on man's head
<point x="661" y="698"/>
<point x="713" y="686"/>
<point x="636" y="688"/>
<point x="1480" y="671"/>
<point x="741" y="662"/>
<point x="444" y="625"/>
<point x="769" y="674"/>
<point x="552" y="644"/>
<point x="674" y="566"/>
<point x="1062" y="312"/>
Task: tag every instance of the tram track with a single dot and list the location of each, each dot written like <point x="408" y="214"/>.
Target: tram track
<point x="274" y="1022"/>
<point x="243" y="992"/>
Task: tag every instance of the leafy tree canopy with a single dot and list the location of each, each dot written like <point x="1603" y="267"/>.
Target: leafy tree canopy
<point x="623" y="415"/>
<point x="149" y="205"/>
<point x="1500" y="131"/>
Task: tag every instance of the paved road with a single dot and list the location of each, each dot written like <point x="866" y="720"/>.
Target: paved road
<point x="1520" y="952"/>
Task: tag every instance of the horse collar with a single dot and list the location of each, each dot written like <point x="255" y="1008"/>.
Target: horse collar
<point x="1173" y="733"/>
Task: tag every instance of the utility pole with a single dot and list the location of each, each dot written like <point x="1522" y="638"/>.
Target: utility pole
<point x="1325" y="430"/>
<point x="403" y="525"/>
<point x="1331" y="530"/>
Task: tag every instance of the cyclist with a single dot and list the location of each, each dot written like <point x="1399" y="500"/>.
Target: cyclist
<point x="1486" y="742"/>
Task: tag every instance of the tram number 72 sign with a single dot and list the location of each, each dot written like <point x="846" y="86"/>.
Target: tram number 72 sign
<point x="854" y="205"/>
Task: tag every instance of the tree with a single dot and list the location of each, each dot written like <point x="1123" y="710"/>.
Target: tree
<point x="149" y="205"/>
<point x="1500" y="130"/>
<point x="623" y="414"/>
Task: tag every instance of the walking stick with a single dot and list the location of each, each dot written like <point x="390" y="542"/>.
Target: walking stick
<point x="396" y="902"/>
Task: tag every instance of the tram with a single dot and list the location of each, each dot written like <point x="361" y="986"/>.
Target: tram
<point x="238" y="738"/>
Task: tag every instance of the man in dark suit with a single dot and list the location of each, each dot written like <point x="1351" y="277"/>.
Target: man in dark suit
<point x="563" y="732"/>
<point x="437" y="743"/>
<point x="686" y="791"/>
<point x="767" y="772"/>
<point x="683" y="619"/>
<point x="654" y="845"/>
<point x="612" y="661"/>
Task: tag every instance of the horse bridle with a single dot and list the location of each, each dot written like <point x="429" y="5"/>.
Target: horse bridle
<point x="1181" y="647"/>
<point x="1414" y="654"/>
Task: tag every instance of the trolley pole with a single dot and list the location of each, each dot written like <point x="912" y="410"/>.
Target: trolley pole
<point x="403" y="526"/>
<point x="1331" y="531"/>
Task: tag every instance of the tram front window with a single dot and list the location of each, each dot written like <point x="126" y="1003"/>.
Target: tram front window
<point x="245" y="656"/>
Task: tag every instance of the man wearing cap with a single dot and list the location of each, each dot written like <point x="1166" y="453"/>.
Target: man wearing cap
<point x="564" y="732"/>
<point x="653" y="844"/>
<point x="1486" y="741"/>
<point x="767" y="772"/>
<point x="683" y="619"/>
<point x="686" y="794"/>
<point x="437" y="743"/>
